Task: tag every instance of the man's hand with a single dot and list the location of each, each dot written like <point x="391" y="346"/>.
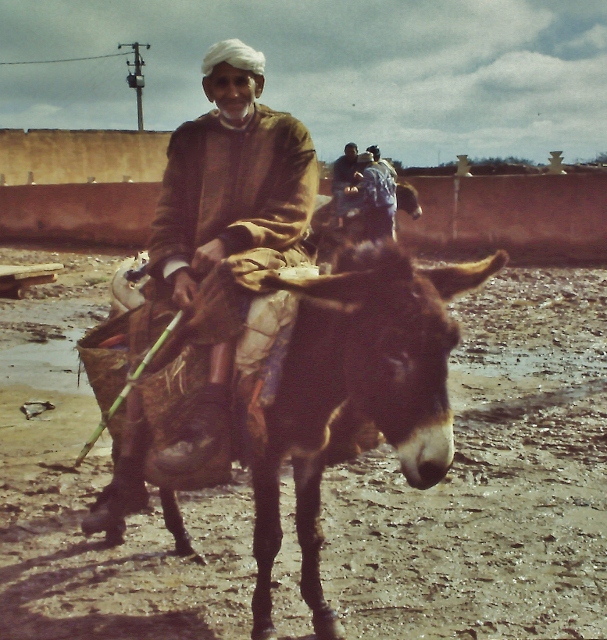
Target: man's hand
<point x="185" y="289"/>
<point x="207" y="256"/>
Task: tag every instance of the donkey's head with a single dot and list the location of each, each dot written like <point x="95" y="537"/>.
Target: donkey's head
<point x="407" y="199"/>
<point x="397" y="344"/>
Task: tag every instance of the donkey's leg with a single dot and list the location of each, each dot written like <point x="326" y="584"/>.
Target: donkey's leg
<point x="266" y="544"/>
<point x="308" y="476"/>
<point x="174" y="523"/>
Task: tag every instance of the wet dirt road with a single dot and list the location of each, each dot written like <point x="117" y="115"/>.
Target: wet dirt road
<point x="512" y="545"/>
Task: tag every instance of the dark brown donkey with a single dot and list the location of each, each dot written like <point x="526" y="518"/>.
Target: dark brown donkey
<point x="370" y="345"/>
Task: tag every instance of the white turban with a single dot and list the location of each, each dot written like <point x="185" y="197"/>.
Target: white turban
<point x="236" y="53"/>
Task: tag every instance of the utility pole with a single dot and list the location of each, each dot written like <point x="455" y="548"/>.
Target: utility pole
<point x="136" y="80"/>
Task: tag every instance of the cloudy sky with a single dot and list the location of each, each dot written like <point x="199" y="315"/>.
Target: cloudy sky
<point x="426" y="81"/>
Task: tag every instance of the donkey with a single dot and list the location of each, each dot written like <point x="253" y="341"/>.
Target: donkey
<point x="370" y="346"/>
<point x="371" y="343"/>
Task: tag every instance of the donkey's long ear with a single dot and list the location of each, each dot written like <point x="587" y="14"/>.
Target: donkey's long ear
<point x="341" y="287"/>
<point x="455" y="279"/>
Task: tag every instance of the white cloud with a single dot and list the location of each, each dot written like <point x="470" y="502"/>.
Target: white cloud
<point x="594" y="38"/>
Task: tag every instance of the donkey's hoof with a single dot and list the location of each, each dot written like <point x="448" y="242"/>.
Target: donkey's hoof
<point x="114" y="537"/>
<point x="183" y="547"/>
<point x="104" y="519"/>
<point x="327" y="626"/>
<point x="264" y="632"/>
<point x="190" y="554"/>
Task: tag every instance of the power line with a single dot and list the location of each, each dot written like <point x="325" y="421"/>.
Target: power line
<point x="111" y="55"/>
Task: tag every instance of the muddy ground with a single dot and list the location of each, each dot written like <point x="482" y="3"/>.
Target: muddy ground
<point x="511" y="545"/>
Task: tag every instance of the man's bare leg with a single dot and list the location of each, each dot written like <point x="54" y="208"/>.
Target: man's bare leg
<point x="222" y="356"/>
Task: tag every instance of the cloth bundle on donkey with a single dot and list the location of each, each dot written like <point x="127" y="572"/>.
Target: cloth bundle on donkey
<point x="179" y="371"/>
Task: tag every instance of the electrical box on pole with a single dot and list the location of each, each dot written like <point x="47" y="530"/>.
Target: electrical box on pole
<point x="137" y="80"/>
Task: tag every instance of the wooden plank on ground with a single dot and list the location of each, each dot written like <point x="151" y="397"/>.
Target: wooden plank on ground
<point x="15" y="279"/>
<point x="22" y="271"/>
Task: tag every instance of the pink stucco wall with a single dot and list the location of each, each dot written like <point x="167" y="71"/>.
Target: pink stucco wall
<point x="528" y="215"/>
<point x="538" y="215"/>
<point x="113" y="213"/>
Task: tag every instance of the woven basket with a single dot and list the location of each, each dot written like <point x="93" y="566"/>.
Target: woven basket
<point x="163" y="394"/>
<point x="165" y="398"/>
<point x="107" y="369"/>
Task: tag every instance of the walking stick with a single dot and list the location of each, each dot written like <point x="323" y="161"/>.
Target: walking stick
<point x="90" y="443"/>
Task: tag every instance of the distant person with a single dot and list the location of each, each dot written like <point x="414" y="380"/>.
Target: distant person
<point x="377" y="192"/>
<point x="345" y="171"/>
<point x="374" y="149"/>
<point x="405" y="191"/>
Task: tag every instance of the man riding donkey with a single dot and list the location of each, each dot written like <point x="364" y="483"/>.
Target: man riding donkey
<point x="376" y="193"/>
<point x="237" y="196"/>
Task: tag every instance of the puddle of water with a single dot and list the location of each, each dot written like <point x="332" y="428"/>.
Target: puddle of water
<point x="539" y="363"/>
<point x="50" y="366"/>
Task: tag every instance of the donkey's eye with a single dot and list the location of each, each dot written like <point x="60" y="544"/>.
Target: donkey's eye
<point x="400" y="365"/>
<point x="402" y="358"/>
